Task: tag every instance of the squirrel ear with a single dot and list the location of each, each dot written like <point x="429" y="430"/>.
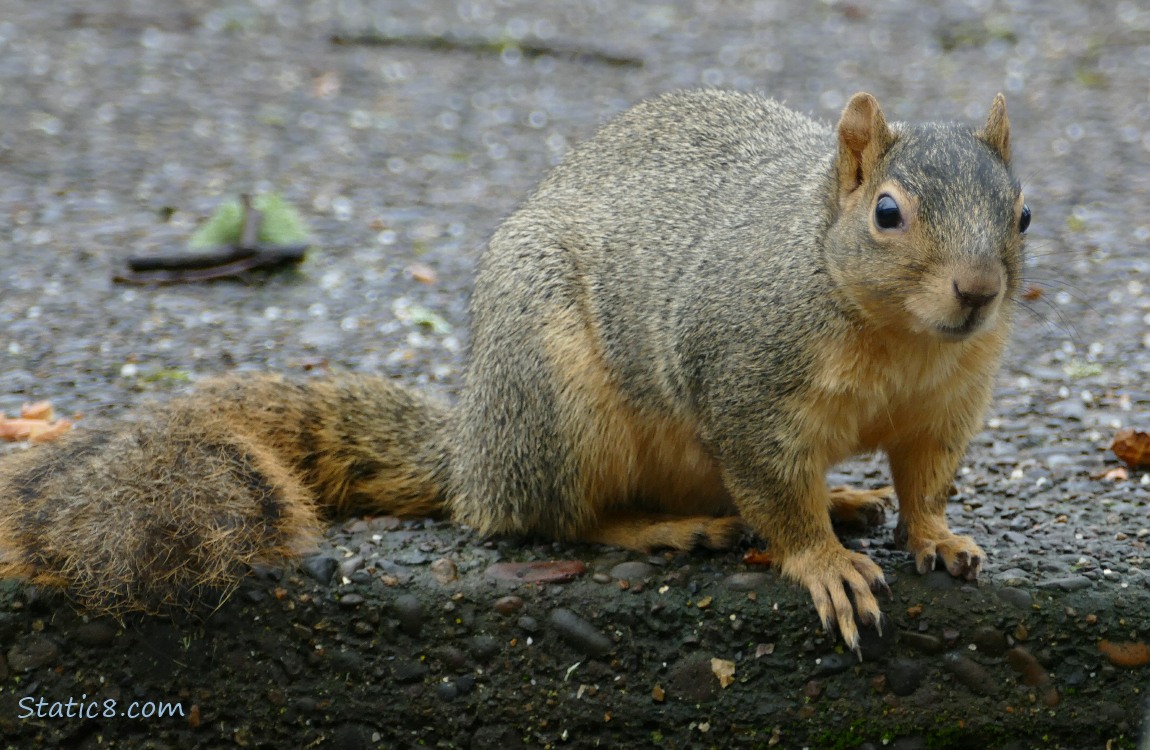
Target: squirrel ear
<point x="996" y="131"/>
<point x="863" y="138"/>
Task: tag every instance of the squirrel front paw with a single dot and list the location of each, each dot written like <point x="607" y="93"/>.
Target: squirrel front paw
<point x="829" y="571"/>
<point x="960" y="555"/>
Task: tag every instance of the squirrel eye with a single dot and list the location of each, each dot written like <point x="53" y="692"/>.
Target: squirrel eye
<point x="1024" y="220"/>
<point x="886" y="213"/>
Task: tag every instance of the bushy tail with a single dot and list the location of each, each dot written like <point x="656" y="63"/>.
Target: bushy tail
<point x="168" y="512"/>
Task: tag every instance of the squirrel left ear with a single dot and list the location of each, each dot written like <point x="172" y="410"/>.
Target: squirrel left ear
<point x="996" y="131"/>
<point x="863" y="138"/>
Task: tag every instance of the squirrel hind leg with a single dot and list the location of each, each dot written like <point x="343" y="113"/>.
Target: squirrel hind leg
<point x="650" y="531"/>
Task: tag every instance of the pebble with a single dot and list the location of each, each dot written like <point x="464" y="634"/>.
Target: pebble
<point x="412" y="557"/>
<point x="399" y="572"/>
<point x="1071" y="408"/>
<point x="1012" y="577"/>
<point x="350" y="565"/>
<point x="537" y="572"/>
<point x="747" y="581"/>
<point x="903" y="675"/>
<point x="507" y="605"/>
<point x="408" y="670"/>
<point x="922" y="642"/>
<point x="32" y="652"/>
<point x="528" y="624"/>
<point x="409" y="612"/>
<point x="465" y="684"/>
<point x="446" y="691"/>
<point x="1068" y="583"/>
<point x="940" y="580"/>
<point x="970" y="673"/>
<point x="452" y="657"/>
<point x="1015" y="537"/>
<point x="632" y="571"/>
<point x="94" y="634"/>
<point x="484" y="647"/>
<point x="292" y="664"/>
<point x="1018" y="598"/>
<point x="1020" y="523"/>
<point x="345" y="661"/>
<point x="989" y="641"/>
<point x="1023" y="662"/>
<point x="579" y="633"/>
<point x="350" y="600"/>
<point x="834" y="664"/>
<point x="444" y="571"/>
<point x="320" y="567"/>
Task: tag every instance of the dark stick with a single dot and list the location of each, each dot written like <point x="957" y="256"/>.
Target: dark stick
<point x="227" y="262"/>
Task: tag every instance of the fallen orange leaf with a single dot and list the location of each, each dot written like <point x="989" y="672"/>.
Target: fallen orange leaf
<point x="758" y="557"/>
<point x="1132" y="447"/>
<point x="37" y="410"/>
<point x="1113" y="474"/>
<point x="49" y="431"/>
<point x="1125" y="653"/>
<point x="724" y="670"/>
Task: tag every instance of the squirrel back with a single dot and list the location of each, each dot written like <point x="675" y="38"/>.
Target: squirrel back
<point x="694" y="316"/>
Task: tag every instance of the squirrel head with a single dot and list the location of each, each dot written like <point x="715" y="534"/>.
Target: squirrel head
<point x="928" y="222"/>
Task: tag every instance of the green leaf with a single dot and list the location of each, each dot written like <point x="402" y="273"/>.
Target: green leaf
<point x="282" y="224"/>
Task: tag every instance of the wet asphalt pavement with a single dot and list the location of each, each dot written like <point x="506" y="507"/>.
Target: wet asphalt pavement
<point x="404" y="131"/>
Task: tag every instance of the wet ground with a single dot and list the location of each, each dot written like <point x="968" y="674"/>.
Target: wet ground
<point x="404" y="131"/>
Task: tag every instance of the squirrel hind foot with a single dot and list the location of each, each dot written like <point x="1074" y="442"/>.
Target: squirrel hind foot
<point x="860" y="508"/>
<point x="650" y="531"/>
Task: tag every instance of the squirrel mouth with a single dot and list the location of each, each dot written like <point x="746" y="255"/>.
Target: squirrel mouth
<point x="973" y="322"/>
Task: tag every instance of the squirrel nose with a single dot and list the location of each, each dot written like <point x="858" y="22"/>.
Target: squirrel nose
<point x="976" y="288"/>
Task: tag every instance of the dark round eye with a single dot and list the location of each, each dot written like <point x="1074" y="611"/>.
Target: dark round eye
<point x="1024" y="220"/>
<point x="886" y="213"/>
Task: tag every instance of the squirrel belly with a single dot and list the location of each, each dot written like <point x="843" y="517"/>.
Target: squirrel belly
<point x="694" y="316"/>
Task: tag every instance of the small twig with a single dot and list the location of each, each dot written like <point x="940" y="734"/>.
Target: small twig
<point x="253" y="220"/>
<point x="454" y="43"/>
<point x="206" y="266"/>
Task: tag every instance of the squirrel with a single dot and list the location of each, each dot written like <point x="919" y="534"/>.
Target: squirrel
<point x="693" y="317"/>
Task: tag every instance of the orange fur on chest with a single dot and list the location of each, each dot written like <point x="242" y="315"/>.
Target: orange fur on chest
<point x="870" y="391"/>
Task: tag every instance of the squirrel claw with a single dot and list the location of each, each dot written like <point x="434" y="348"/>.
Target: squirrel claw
<point x="883" y="586"/>
<point x="961" y="557"/>
<point x="835" y="576"/>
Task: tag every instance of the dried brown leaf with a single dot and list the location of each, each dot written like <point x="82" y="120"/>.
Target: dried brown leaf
<point x="757" y="557"/>
<point x="724" y="670"/>
<point x="1132" y="447"/>
<point x="37" y="410"/>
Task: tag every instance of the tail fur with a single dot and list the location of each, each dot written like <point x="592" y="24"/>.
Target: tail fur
<point x="169" y="513"/>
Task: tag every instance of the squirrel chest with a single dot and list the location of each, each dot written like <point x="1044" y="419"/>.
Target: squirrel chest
<point x="868" y="391"/>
